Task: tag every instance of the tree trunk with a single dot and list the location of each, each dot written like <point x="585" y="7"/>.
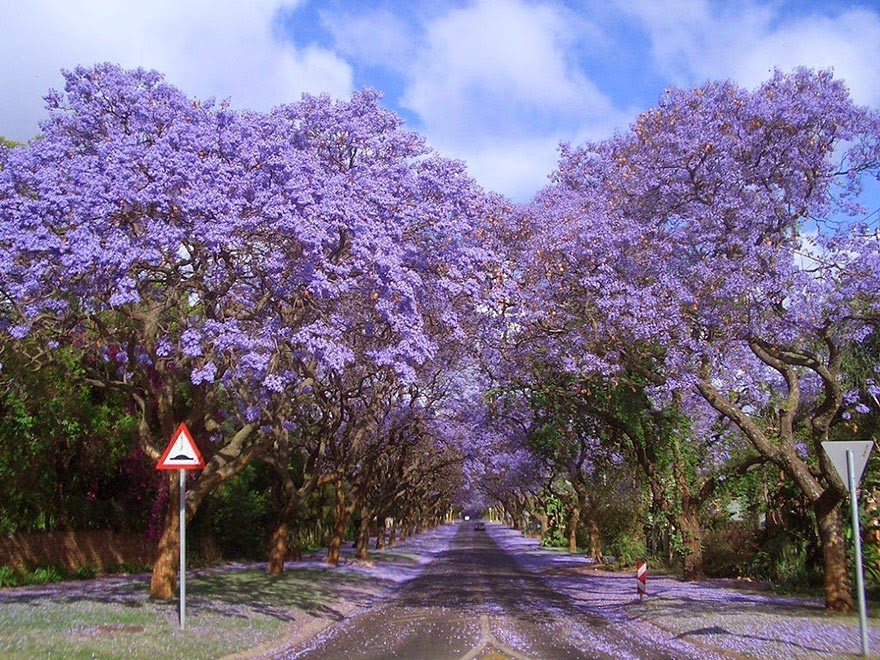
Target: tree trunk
<point x="226" y="464"/>
<point x="595" y="538"/>
<point x="573" y="521"/>
<point x="542" y="521"/>
<point x="691" y="538"/>
<point x="363" y="542"/>
<point x="687" y="518"/>
<point x="343" y="513"/>
<point x="392" y="537"/>
<point x="278" y="547"/>
<point x="380" y="537"/>
<point x="163" y="582"/>
<point x="838" y="594"/>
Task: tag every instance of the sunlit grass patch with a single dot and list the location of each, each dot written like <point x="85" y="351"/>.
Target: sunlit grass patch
<point x="397" y="557"/>
<point x="228" y="611"/>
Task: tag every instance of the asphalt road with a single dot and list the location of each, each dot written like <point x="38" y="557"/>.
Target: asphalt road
<point x="475" y="601"/>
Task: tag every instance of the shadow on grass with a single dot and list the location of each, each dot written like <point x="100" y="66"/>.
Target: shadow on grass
<point x="238" y="593"/>
<point x="687" y="598"/>
<point x="305" y="590"/>
<point x="128" y="591"/>
<point x="719" y="631"/>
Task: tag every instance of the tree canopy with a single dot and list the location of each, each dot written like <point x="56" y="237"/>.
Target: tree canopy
<point x="315" y="288"/>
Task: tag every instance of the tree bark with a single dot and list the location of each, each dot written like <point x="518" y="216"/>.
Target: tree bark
<point x="688" y="518"/>
<point x="163" y="582"/>
<point x="838" y="592"/>
<point x="228" y="462"/>
<point x="595" y="538"/>
<point x="573" y="521"/>
<point x="824" y="501"/>
<point x="543" y="521"/>
<point x="343" y="513"/>
<point x="380" y="537"/>
<point x="278" y="547"/>
<point x="691" y="538"/>
<point x="363" y="542"/>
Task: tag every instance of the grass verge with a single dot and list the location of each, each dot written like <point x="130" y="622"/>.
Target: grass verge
<point x="227" y="611"/>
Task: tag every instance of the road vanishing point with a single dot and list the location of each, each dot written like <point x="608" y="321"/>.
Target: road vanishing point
<point x="475" y="600"/>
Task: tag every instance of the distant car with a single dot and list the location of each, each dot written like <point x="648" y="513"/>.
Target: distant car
<point x="480" y="526"/>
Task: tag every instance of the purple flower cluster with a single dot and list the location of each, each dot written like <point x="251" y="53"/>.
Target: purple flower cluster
<point x="711" y="259"/>
<point x="268" y="271"/>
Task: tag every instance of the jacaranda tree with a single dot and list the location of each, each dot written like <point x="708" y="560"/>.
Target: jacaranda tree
<point x="707" y="243"/>
<point x="223" y="264"/>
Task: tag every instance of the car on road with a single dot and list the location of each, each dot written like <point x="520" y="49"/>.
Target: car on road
<point x="480" y="526"/>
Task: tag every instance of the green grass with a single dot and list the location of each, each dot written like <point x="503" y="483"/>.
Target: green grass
<point x="226" y="612"/>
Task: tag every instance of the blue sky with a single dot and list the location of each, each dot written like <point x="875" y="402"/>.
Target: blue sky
<point x="496" y="83"/>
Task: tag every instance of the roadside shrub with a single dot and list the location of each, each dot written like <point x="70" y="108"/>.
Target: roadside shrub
<point x="84" y="573"/>
<point x="728" y="550"/>
<point x="45" y="575"/>
<point x="629" y="550"/>
<point x="785" y="560"/>
<point x="555" y="538"/>
<point x="8" y="577"/>
<point x="240" y="515"/>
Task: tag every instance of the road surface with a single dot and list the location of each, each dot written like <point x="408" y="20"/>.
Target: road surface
<point x="476" y="601"/>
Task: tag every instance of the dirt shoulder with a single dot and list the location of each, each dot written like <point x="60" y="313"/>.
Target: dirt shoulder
<point x="238" y="611"/>
<point x="734" y="618"/>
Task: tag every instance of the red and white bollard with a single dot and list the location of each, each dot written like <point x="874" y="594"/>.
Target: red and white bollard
<point x="642" y="578"/>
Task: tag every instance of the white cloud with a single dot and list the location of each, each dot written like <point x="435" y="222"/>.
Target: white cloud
<point x="697" y="40"/>
<point x="376" y="38"/>
<point x="494" y="83"/>
<point x="848" y="43"/>
<point x="207" y="48"/>
<point x="498" y="66"/>
<point x="516" y="168"/>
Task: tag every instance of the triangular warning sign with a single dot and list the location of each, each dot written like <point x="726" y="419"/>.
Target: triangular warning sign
<point x="181" y="453"/>
<point x="861" y="450"/>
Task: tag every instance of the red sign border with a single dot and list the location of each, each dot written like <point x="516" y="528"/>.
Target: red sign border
<point x="181" y="429"/>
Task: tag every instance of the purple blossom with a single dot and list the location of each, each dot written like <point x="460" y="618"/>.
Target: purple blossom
<point x="19" y="331"/>
<point x="191" y="343"/>
<point x="205" y="374"/>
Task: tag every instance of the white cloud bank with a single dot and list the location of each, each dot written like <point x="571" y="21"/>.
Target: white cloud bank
<point x="497" y="83"/>
<point x="494" y="84"/>
<point x="206" y="47"/>
<point x="699" y="40"/>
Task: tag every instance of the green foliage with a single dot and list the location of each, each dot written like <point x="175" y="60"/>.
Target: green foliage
<point x="45" y="575"/>
<point x="785" y="560"/>
<point x="8" y="577"/>
<point x="554" y="536"/>
<point x="871" y="564"/>
<point x="66" y="450"/>
<point x="130" y="569"/>
<point x="42" y="575"/>
<point x="617" y="520"/>
<point x="728" y="548"/>
<point x="240" y="515"/>
<point x="869" y="521"/>
<point x="629" y="549"/>
<point x="870" y="542"/>
<point x="84" y="573"/>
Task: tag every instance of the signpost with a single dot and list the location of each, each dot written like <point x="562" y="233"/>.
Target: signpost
<point x="850" y="459"/>
<point x="182" y="454"/>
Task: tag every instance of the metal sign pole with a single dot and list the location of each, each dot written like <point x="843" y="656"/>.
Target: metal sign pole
<point x="182" y="474"/>
<point x="857" y="541"/>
